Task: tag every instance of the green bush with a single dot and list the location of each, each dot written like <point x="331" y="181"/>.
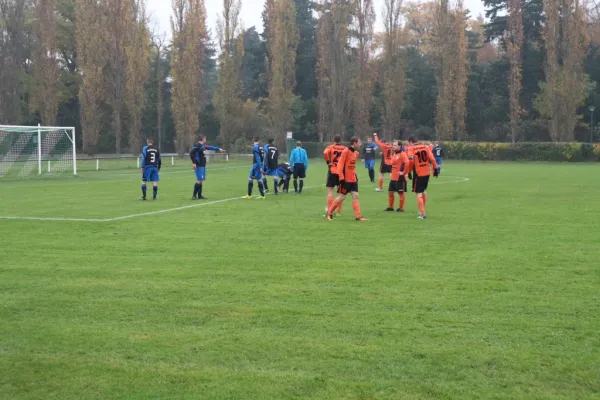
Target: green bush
<point x="572" y="152"/>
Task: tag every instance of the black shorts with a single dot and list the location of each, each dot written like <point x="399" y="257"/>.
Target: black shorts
<point x="398" y="186"/>
<point x="385" y="168"/>
<point x="299" y="171"/>
<point x="348" y="187"/>
<point x="420" y="183"/>
<point x="333" y="180"/>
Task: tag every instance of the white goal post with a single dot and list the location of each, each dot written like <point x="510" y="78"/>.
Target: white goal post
<point x="27" y="150"/>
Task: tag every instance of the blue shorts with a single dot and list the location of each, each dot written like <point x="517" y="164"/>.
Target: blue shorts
<point x="370" y="164"/>
<point x="255" y="172"/>
<point x="150" y="174"/>
<point x="200" y="173"/>
<point x="271" y="172"/>
<point x="438" y="161"/>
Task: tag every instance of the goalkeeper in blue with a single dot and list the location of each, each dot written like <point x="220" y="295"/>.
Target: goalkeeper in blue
<point x="198" y="158"/>
<point x="257" y="171"/>
<point x="151" y="164"/>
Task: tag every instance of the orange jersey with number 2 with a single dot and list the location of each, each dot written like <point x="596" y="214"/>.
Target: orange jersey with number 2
<point x="347" y="165"/>
<point x="421" y="158"/>
<point x="332" y="155"/>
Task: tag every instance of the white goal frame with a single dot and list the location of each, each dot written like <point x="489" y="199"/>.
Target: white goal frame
<point x="40" y="129"/>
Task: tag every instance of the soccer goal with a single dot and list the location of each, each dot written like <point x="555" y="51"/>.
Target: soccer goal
<point x="35" y="150"/>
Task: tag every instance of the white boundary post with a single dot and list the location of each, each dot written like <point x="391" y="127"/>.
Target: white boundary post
<point x="48" y="166"/>
<point x="74" y="153"/>
<point x="137" y="162"/>
<point x="97" y="164"/>
<point x="39" y="138"/>
<point x="172" y="160"/>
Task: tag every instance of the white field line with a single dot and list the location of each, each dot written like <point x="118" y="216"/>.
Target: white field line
<point x="462" y="179"/>
<point x="50" y="183"/>
<point x="199" y="203"/>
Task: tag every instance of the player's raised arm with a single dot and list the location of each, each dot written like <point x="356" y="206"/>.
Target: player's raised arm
<point x="379" y="142"/>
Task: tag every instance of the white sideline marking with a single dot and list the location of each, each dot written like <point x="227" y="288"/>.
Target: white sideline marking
<point x="199" y="204"/>
<point x="462" y="179"/>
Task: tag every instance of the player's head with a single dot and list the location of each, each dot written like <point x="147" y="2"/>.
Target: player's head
<point x="337" y="139"/>
<point x="271" y="141"/>
<point x="396" y="145"/>
<point x="256" y="139"/>
<point x="437" y="143"/>
<point x="355" y="142"/>
<point x="369" y="140"/>
<point x="412" y="140"/>
<point x="149" y="141"/>
<point x="298" y="144"/>
<point x="202" y="139"/>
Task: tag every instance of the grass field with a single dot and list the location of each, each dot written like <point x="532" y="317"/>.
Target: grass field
<point x="496" y="295"/>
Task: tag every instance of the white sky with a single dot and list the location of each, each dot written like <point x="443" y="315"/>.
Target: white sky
<point x="160" y="11"/>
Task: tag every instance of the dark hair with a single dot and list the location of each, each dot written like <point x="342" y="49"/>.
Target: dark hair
<point x="255" y="139"/>
<point x="353" y="140"/>
<point x="271" y="141"/>
<point x="412" y="139"/>
<point x="201" y="138"/>
<point x="337" y="138"/>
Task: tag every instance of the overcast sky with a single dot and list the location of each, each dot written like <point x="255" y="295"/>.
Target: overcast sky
<point x="160" y="11"/>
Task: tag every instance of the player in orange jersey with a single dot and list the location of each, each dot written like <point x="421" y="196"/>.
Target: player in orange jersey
<point x="400" y="164"/>
<point x="332" y="155"/>
<point x="346" y="169"/>
<point x="421" y="159"/>
<point x="386" y="160"/>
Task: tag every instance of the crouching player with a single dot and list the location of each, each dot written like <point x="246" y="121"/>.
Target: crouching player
<point x="346" y="168"/>
<point x="284" y="172"/>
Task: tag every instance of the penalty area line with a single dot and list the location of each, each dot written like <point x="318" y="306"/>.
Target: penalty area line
<point x="199" y="204"/>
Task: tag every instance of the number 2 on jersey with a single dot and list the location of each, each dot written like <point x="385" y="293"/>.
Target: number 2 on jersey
<point x="336" y="156"/>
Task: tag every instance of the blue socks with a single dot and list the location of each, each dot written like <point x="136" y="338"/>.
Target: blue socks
<point x="143" y="190"/>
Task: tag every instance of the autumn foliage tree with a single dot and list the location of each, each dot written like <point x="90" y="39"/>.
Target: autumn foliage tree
<point x="137" y="52"/>
<point x="393" y="69"/>
<point x="282" y="43"/>
<point x="514" y="43"/>
<point x="364" y="72"/>
<point x="228" y="103"/>
<point x="92" y="58"/>
<point x="565" y="89"/>
<point x="45" y="65"/>
<point x="189" y="32"/>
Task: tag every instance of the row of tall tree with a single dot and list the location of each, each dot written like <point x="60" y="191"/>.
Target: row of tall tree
<point x="316" y="68"/>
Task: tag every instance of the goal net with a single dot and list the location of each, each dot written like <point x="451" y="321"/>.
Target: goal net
<point x="27" y="151"/>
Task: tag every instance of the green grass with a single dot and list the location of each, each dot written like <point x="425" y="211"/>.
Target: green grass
<point x="494" y="296"/>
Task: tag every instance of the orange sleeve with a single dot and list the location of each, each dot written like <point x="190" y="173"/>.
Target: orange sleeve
<point x="404" y="164"/>
<point x="327" y="154"/>
<point x="380" y="143"/>
<point x="431" y="158"/>
<point x="341" y="165"/>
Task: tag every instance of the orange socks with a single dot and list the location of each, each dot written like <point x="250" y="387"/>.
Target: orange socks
<point x="381" y="183"/>
<point x="421" y="205"/>
<point x="332" y="207"/>
<point x="356" y="207"/>
<point x="391" y="200"/>
<point x="402" y="199"/>
<point x="339" y="208"/>
<point x="329" y="200"/>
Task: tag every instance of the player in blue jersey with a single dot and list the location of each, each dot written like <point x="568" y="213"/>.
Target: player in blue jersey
<point x="438" y="153"/>
<point x="151" y="164"/>
<point x="284" y="172"/>
<point x="271" y="164"/>
<point x="299" y="165"/>
<point x="198" y="158"/>
<point x="369" y="157"/>
<point x="265" y="166"/>
<point x="256" y="173"/>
